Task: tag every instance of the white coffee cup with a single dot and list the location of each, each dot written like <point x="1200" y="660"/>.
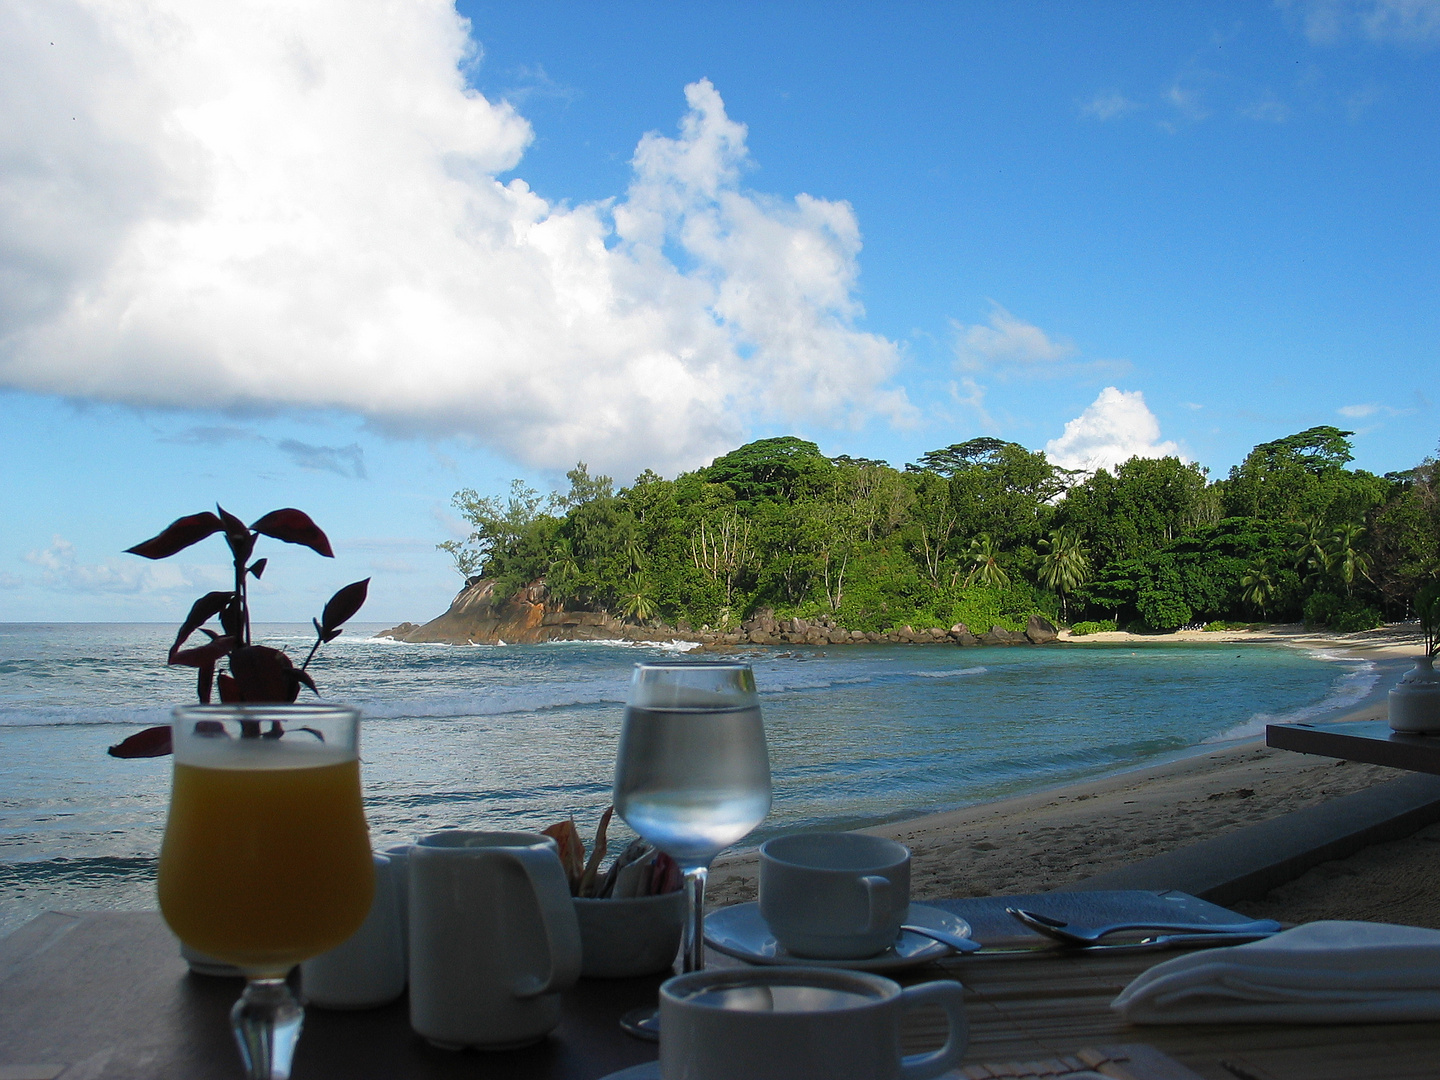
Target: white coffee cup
<point x="834" y="896"/>
<point x="493" y="938"/>
<point x="368" y="969"/>
<point x="796" y="1023"/>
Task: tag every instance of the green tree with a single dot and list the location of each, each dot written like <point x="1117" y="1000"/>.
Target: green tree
<point x="501" y="529"/>
<point x="984" y="561"/>
<point x="636" y="600"/>
<point x="783" y="468"/>
<point x="1259" y="587"/>
<point x="1345" y="559"/>
<point x="1065" y="566"/>
<point x="1312" y="549"/>
<point x="584" y="488"/>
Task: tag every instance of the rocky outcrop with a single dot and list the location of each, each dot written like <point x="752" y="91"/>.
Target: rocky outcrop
<point x="531" y="615"/>
<point x="476" y="617"/>
<point x="1041" y="631"/>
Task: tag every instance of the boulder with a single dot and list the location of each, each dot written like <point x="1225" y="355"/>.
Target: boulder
<point x="967" y="639"/>
<point x="1040" y="630"/>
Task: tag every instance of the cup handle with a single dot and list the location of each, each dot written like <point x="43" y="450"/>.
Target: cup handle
<point x="950" y="996"/>
<point x="546" y="878"/>
<point x="877" y="899"/>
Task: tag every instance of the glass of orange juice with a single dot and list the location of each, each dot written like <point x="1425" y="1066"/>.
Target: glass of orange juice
<point x="266" y="859"/>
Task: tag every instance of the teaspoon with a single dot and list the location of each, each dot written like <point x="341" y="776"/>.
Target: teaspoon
<point x="1073" y="934"/>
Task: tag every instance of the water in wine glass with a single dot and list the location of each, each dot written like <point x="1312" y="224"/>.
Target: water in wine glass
<point x="692" y="780"/>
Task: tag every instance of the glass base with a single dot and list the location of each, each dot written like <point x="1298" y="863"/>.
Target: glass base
<point x="643" y="1022"/>
<point x="267" y="1021"/>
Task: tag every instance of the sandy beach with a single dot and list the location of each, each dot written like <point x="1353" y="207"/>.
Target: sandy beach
<point x="1054" y="839"/>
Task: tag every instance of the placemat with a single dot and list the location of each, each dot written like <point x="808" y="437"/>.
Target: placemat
<point x="1130" y="1061"/>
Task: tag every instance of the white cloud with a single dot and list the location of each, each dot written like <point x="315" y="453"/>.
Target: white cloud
<point x="1268" y="109"/>
<point x="1412" y="22"/>
<point x="1357" y="412"/>
<point x="1107" y="106"/>
<point x="1007" y="340"/>
<point x="1115" y="427"/>
<point x="1187" y="104"/>
<point x="973" y="398"/>
<point x="61" y="569"/>
<point x="299" y="205"/>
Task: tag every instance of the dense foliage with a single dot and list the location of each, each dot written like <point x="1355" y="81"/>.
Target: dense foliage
<point x="984" y="532"/>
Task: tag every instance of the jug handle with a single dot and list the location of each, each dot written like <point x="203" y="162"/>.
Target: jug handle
<point x="950" y="996"/>
<point x="548" y="885"/>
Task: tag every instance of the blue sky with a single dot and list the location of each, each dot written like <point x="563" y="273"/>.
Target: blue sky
<point x="352" y="257"/>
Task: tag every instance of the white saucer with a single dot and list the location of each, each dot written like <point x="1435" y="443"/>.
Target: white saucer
<point x="649" y="1071"/>
<point x="741" y="932"/>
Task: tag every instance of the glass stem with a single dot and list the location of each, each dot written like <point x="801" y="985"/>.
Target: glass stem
<point x="266" y="1021"/>
<point x="692" y="944"/>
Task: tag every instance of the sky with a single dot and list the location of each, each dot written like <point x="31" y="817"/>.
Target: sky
<point x="354" y="257"/>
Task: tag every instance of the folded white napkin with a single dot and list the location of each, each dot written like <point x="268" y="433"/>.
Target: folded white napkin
<point x="1321" y="972"/>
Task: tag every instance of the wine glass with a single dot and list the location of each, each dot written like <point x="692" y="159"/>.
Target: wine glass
<point x="266" y="858"/>
<point x="692" y="777"/>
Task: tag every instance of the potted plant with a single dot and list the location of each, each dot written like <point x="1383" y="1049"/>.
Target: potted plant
<point x="1415" y="702"/>
<point x="257" y="674"/>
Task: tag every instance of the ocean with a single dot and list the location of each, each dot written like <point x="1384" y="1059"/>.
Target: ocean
<point x="522" y="736"/>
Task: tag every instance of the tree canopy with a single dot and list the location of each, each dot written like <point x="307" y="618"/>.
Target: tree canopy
<point x="984" y="532"/>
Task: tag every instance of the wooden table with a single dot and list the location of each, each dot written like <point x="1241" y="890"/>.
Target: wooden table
<point x="104" y="996"/>
<point x="1370" y="741"/>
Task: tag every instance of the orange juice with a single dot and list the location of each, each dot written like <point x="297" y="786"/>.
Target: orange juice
<point x="263" y="866"/>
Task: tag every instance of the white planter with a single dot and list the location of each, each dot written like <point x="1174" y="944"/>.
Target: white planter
<point x="1415" y="701"/>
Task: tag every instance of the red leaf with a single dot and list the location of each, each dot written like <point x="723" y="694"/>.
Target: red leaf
<point x="294" y="527"/>
<point x="178" y="535"/>
<point x="241" y="542"/>
<point x="229" y="690"/>
<point x="263" y="674"/>
<point x="201" y="655"/>
<point x="203" y="609"/>
<point x="258" y="567"/>
<point x="152" y="742"/>
<point x="342" y="605"/>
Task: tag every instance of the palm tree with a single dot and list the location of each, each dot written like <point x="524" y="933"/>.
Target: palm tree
<point x="1064" y="567"/>
<point x="1312" y="557"/>
<point x="984" y="559"/>
<point x="633" y="554"/>
<point x="561" y="574"/>
<point x="1258" y="586"/>
<point x="1344" y="557"/>
<point x="636" y="602"/>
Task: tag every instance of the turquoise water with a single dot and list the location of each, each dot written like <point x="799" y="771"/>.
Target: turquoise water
<point x="522" y="736"/>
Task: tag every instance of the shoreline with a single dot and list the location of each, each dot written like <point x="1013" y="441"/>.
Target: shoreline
<point x="1055" y="837"/>
<point x="1393" y="641"/>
